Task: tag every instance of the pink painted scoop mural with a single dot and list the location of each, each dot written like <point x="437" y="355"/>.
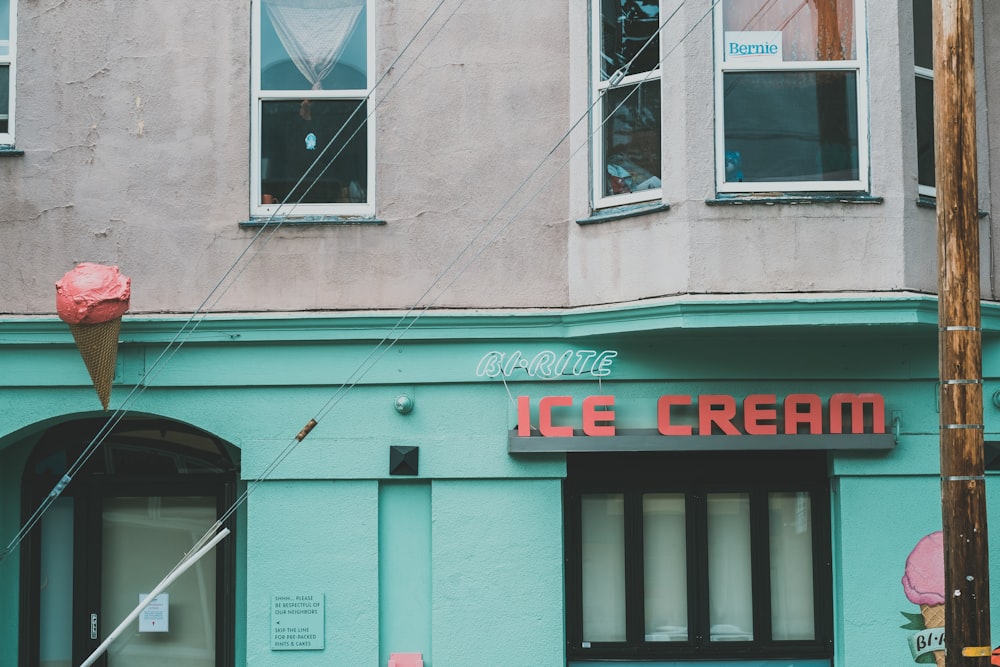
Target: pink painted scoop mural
<point x="91" y="299"/>
<point x="923" y="583"/>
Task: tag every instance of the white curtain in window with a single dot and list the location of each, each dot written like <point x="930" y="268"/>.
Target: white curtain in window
<point x="811" y="29"/>
<point x="792" y="608"/>
<point x="729" y="574"/>
<point x="602" y="519"/>
<point x="314" y="32"/>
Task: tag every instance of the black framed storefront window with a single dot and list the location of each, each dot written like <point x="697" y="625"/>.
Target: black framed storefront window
<point x="138" y="504"/>
<point x="698" y="556"/>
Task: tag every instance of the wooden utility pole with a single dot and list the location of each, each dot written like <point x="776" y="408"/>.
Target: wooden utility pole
<point x="963" y="482"/>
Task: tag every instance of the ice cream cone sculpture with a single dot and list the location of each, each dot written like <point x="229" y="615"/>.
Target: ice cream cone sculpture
<point x="923" y="583"/>
<point x="91" y="299"/>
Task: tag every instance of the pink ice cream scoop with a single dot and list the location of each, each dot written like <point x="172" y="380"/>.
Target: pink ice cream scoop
<point x="923" y="581"/>
<point x="92" y="293"/>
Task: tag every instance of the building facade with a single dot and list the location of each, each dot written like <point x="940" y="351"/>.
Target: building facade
<point x="522" y="333"/>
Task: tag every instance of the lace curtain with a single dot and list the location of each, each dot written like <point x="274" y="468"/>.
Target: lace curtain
<point x="314" y="32"/>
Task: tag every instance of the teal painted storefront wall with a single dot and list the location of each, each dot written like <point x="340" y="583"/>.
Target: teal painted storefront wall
<point x="405" y="568"/>
<point x="464" y="562"/>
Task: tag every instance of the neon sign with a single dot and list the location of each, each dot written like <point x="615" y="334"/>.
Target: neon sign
<point x="547" y="364"/>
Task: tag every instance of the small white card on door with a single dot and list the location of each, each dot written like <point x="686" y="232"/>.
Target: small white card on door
<point x="156" y="616"/>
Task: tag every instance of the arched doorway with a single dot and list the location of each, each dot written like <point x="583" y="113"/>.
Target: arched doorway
<point x="143" y="498"/>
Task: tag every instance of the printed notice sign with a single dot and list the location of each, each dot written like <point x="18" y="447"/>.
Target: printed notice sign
<point x="156" y="616"/>
<point x="297" y="622"/>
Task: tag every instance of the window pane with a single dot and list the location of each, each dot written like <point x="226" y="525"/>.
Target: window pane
<point x="792" y="610"/>
<point x="4" y="27"/>
<point x="925" y="131"/>
<point x="665" y="567"/>
<point x="313" y="44"/>
<point x="142" y="537"/>
<point x="729" y="588"/>
<point x="4" y="97"/>
<point x="55" y="627"/>
<point x="603" y="536"/>
<point x="791" y="126"/>
<point x="923" y="53"/>
<point x="294" y="133"/>
<point x="814" y="30"/>
<point x="632" y="138"/>
<point x="626" y="27"/>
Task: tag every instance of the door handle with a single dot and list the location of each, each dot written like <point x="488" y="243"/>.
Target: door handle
<point x="93" y="626"/>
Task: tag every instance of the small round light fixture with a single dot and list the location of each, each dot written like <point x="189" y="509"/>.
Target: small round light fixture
<point x="404" y="404"/>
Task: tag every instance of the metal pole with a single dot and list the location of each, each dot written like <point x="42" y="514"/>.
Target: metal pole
<point x="160" y="587"/>
<point x="963" y="488"/>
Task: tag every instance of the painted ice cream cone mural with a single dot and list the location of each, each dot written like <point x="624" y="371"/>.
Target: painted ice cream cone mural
<point x="923" y="583"/>
<point x="91" y="299"/>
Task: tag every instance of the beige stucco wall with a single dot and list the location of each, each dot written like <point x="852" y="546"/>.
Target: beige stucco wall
<point x="134" y="120"/>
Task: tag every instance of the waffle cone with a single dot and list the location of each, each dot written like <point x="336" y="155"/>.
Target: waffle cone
<point x="98" y="345"/>
<point x="934" y="618"/>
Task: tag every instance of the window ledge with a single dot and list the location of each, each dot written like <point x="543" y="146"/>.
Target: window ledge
<point x="620" y="212"/>
<point x="336" y="220"/>
<point x="772" y="198"/>
<point x="927" y="201"/>
<point x="10" y="151"/>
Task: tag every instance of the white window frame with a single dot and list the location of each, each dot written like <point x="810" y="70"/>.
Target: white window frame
<point x="928" y="74"/>
<point x="258" y="209"/>
<point x="859" y="66"/>
<point x="598" y="89"/>
<point x="7" y="138"/>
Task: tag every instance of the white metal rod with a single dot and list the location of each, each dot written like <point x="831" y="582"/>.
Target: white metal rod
<point x="169" y="579"/>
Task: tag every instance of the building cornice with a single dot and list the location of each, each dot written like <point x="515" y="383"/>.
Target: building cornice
<point x="669" y="315"/>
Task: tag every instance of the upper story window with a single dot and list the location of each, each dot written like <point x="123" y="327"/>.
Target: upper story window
<point x="790" y="96"/>
<point x="625" y="73"/>
<point x="923" y="71"/>
<point x="699" y="556"/>
<point x="7" y="30"/>
<point x="313" y="145"/>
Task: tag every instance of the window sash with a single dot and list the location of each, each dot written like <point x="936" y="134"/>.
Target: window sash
<point x="602" y="106"/>
<point x="262" y="96"/>
<point x="856" y="66"/>
<point x="924" y="94"/>
<point x="923" y="63"/>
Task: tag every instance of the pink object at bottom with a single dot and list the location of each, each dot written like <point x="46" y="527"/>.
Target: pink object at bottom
<point x="406" y="660"/>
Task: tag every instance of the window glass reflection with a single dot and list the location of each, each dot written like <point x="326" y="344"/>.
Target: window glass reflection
<point x="294" y="132"/>
<point x="632" y="138"/>
<point x="628" y="35"/>
<point x="791" y="126"/>
<point x="810" y="29"/>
